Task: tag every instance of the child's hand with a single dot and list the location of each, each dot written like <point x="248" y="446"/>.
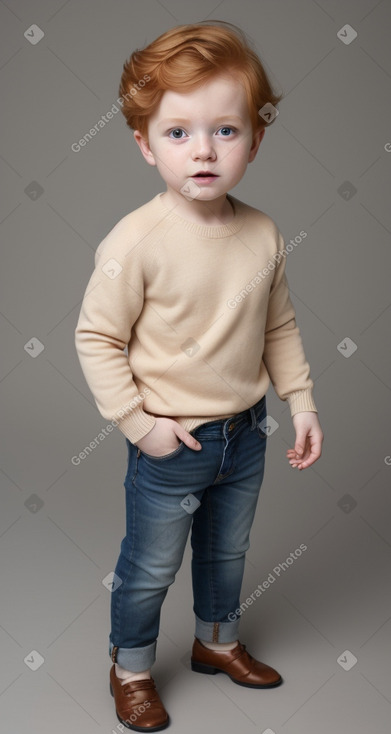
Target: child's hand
<point x="165" y="437"/>
<point x="309" y="439"/>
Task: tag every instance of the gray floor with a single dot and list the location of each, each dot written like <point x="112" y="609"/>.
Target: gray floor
<point x="324" y="167"/>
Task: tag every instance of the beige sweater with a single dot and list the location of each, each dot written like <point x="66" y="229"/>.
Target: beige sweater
<point x="205" y="315"/>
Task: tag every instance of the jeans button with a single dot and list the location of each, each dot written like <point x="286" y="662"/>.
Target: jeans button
<point x="231" y="426"/>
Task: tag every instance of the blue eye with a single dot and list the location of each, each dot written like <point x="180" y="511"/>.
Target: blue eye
<point x="177" y="130"/>
<point x="230" y="129"/>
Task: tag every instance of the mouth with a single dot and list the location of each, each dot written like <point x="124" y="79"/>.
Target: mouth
<point x="204" y="176"/>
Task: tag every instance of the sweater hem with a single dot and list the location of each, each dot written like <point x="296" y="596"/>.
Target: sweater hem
<point x="137" y="425"/>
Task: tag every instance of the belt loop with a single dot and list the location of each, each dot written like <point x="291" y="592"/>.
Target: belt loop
<point x="253" y="418"/>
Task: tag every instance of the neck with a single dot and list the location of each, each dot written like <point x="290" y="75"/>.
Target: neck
<point x="213" y="213"/>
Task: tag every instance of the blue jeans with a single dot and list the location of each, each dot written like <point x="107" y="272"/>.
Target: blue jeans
<point x="214" y="491"/>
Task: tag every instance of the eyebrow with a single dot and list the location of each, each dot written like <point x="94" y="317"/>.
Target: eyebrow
<point x="224" y="118"/>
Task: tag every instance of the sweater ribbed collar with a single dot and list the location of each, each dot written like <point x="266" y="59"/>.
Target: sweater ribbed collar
<point x="202" y="230"/>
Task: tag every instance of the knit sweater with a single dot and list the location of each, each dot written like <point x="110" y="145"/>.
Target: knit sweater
<point x="189" y="321"/>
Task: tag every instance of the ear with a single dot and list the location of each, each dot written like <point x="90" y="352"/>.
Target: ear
<point x="144" y="147"/>
<point x="257" y="139"/>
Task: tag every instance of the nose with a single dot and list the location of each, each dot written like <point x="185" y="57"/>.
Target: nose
<point x="203" y="148"/>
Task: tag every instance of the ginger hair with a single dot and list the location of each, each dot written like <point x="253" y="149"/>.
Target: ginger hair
<point x="185" y="57"/>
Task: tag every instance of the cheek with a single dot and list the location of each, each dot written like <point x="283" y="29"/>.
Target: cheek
<point x="172" y="154"/>
<point x="239" y="149"/>
<point x="238" y="157"/>
<point x="167" y="157"/>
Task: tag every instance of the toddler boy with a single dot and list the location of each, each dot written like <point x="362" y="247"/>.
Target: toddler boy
<point x="193" y="284"/>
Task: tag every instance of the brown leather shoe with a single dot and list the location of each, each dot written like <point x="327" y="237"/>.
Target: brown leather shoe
<point x="138" y="705"/>
<point x="237" y="663"/>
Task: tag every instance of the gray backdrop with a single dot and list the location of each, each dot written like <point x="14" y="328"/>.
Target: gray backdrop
<point x="323" y="167"/>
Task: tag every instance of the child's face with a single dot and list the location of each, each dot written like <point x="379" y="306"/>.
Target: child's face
<point x="208" y="129"/>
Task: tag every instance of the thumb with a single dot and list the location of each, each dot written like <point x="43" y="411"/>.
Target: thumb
<point x="188" y="439"/>
<point x="299" y="444"/>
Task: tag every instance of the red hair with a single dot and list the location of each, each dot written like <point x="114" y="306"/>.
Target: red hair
<point x="182" y="59"/>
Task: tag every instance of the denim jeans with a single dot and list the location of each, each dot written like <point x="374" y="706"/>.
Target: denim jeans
<point x="214" y="491"/>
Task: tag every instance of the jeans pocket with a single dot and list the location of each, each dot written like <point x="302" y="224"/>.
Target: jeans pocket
<point x="165" y="456"/>
<point x="132" y="462"/>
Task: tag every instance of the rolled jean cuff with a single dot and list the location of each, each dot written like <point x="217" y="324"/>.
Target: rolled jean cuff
<point x="135" y="659"/>
<point x="217" y="631"/>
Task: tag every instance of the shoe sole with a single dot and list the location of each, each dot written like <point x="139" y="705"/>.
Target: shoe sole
<point x="210" y="670"/>
<point x="139" y="728"/>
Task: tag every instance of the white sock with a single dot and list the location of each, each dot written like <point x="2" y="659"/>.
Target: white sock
<point x="219" y="646"/>
<point x="127" y="676"/>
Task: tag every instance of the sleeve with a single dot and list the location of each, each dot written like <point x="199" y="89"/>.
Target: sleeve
<point x="111" y="305"/>
<point x="283" y="355"/>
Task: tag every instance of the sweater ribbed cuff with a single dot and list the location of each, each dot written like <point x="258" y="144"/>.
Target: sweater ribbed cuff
<point x="300" y="401"/>
<point x="137" y="424"/>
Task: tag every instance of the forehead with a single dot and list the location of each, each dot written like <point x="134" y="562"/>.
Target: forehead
<point x="222" y="95"/>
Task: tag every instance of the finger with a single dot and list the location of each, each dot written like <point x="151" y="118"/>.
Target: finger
<point x="293" y="459"/>
<point x="314" y="456"/>
<point x="295" y="463"/>
<point x="291" y="454"/>
<point x="188" y="439"/>
<point x="300" y="445"/>
<point x="306" y="459"/>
